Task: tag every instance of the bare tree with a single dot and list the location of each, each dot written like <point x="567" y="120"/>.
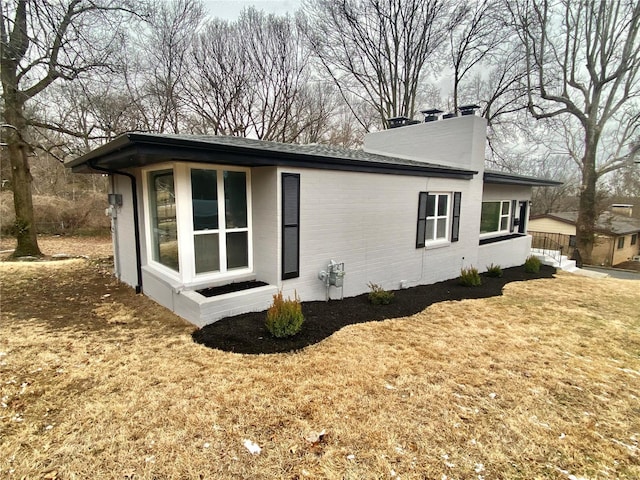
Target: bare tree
<point x="473" y="37"/>
<point x="43" y="42"/>
<point x="583" y="62"/>
<point x="252" y="78"/>
<point x="163" y="51"/>
<point x="377" y="50"/>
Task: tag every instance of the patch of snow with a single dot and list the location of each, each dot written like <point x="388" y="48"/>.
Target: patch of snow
<point x="388" y="386"/>
<point x="562" y="436"/>
<point x="206" y="445"/>
<point x="253" y="448"/>
<point x="479" y="468"/>
<point x="351" y="456"/>
<point x="493" y="395"/>
<point x="569" y="475"/>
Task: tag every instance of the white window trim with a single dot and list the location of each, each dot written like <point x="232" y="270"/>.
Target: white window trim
<point x="187" y="275"/>
<point x="500" y="217"/>
<point x="440" y="242"/>
<point x="148" y="228"/>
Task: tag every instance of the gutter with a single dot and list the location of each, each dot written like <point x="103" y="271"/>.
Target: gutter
<point x="136" y="220"/>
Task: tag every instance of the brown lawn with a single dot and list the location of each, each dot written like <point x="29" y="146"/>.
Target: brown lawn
<point x="96" y="382"/>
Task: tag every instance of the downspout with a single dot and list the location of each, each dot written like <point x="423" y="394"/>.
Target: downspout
<point x="136" y="220"/>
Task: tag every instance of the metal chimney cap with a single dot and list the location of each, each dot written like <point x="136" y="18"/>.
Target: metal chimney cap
<point x="401" y="121"/>
<point x="433" y="111"/>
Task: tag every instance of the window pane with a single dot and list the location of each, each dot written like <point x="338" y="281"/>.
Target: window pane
<point x="429" y="230"/>
<point x="442" y="205"/>
<point x="204" y="194"/>
<point x="504" y="223"/>
<point x="441" y="231"/>
<point x="163" y="213"/>
<point x="490" y="217"/>
<point x="237" y="250"/>
<point x="431" y="205"/>
<point x="207" y="253"/>
<point x="505" y="208"/>
<point x="235" y="194"/>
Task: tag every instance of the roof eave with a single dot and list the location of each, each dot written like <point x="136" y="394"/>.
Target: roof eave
<point x="138" y="150"/>
<point x="510" y="179"/>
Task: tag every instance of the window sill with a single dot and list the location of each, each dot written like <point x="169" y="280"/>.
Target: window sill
<point x="436" y="245"/>
<point x="500" y="238"/>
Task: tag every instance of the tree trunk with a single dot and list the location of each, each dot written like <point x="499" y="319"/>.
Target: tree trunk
<point x="21" y="179"/>
<point x="587" y="213"/>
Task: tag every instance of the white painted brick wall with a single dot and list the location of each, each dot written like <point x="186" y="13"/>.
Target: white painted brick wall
<point x="457" y="142"/>
<point x="125" y="256"/>
<point x="266" y="224"/>
<point x="368" y="221"/>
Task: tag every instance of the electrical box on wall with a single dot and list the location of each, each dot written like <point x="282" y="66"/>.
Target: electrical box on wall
<point x="115" y="199"/>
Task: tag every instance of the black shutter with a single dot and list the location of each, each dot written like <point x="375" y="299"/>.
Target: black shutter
<point x="455" y="220"/>
<point x="422" y="219"/>
<point x="290" y="225"/>
<point x="512" y="220"/>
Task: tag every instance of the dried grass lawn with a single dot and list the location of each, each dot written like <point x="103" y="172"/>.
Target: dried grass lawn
<point x="542" y="382"/>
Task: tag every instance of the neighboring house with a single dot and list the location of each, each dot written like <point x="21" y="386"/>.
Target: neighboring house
<point x="414" y="206"/>
<point x="616" y="234"/>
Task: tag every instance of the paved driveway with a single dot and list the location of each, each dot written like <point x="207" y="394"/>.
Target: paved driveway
<point x="616" y="273"/>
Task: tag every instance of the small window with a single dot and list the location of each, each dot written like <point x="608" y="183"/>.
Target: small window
<point x="434" y="217"/>
<point x="620" y="242"/>
<point x="495" y="217"/>
<point x="634" y="239"/>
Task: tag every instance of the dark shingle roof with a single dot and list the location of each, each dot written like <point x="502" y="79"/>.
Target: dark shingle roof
<point x="493" y="176"/>
<point x="140" y="149"/>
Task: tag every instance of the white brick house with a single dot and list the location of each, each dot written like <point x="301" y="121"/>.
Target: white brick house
<point x="414" y="206"/>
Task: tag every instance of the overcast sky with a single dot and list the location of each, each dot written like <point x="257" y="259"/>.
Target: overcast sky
<point x="230" y="9"/>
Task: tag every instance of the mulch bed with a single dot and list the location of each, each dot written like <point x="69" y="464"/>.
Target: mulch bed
<point x="247" y="334"/>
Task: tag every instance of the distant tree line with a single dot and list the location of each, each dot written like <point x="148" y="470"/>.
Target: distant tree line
<point x="558" y="82"/>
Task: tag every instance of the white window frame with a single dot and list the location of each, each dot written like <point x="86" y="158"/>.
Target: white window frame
<point x="501" y="216"/>
<point x="187" y="275"/>
<point x="446" y="240"/>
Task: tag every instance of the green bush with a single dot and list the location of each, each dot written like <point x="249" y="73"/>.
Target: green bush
<point x="469" y="277"/>
<point x="494" y="271"/>
<point x="532" y="264"/>
<point x="284" y="317"/>
<point x="379" y="296"/>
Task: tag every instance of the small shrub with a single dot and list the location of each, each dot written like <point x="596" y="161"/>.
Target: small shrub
<point x="284" y="317"/>
<point x="494" y="271"/>
<point x="379" y="296"/>
<point x="469" y="277"/>
<point x="532" y="264"/>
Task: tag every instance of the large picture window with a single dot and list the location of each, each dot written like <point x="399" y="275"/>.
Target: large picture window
<point x="495" y="217"/>
<point x="208" y="209"/>
<point x="220" y="228"/>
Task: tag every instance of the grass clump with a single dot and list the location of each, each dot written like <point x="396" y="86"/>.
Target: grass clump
<point x="379" y="296"/>
<point x="494" y="271"/>
<point x="469" y="277"/>
<point x="284" y="317"/>
<point x="532" y="264"/>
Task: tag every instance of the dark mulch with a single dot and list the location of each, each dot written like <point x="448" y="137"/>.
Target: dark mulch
<point x="247" y="334"/>
<point x="232" y="287"/>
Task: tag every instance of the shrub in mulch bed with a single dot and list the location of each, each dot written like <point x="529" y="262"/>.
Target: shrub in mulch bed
<point x="247" y="333"/>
